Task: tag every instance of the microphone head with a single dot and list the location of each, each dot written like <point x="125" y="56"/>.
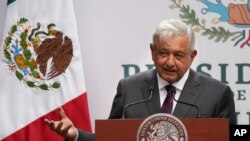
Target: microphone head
<point x="151" y="91"/>
<point x="151" y="88"/>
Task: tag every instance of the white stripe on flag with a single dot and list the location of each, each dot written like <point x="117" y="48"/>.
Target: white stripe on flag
<point x="3" y="4"/>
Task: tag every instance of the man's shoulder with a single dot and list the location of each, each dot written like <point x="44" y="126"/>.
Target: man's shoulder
<point x="207" y="79"/>
<point x="149" y="74"/>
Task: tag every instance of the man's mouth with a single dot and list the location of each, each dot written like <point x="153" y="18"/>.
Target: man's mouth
<point x="170" y="70"/>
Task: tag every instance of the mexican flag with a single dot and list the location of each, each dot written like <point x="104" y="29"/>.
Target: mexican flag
<point x="40" y="69"/>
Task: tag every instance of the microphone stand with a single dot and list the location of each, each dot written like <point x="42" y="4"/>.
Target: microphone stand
<point x="137" y="102"/>
<point x="185" y="103"/>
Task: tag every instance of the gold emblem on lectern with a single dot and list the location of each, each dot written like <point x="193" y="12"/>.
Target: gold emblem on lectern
<point x="162" y="127"/>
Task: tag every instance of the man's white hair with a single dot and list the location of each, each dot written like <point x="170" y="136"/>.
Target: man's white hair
<point x="174" y="27"/>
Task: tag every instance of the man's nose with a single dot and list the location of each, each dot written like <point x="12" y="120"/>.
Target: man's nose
<point x="170" y="61"/>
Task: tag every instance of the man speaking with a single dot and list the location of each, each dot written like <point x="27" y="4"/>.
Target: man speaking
<point x="173" y="87"/>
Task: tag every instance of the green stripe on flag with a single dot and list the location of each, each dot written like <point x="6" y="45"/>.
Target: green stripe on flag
<point x="10" y="1"/>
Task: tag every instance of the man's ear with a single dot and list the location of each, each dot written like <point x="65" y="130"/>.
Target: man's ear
<point x="193" y="54"/>
<point x="151" y="47"/>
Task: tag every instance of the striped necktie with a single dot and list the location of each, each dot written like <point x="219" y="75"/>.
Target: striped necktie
<point x="167" y="106"/>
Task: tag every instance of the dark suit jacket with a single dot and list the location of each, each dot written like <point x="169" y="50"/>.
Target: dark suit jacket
<point x="213" y="98"/>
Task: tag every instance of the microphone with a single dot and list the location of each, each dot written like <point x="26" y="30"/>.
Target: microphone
<point x="178" y="101"/>
<point x="151" y="91"/>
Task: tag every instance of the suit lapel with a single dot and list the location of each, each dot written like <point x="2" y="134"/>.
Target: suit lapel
<point x="153" y="105"/>
<point x="189" y="94"/>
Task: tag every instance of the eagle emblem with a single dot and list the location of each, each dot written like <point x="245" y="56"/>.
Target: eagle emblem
<point x="37" y="53"/>
<point x="235" y="15"/>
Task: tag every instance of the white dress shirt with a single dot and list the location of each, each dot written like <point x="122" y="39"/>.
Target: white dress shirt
<point x="178" y="85"/>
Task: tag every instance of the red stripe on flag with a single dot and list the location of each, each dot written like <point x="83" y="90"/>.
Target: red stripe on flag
<point x="76" y="110"/>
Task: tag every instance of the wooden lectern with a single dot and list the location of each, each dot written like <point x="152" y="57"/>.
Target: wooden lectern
<point x="201" y="129"/>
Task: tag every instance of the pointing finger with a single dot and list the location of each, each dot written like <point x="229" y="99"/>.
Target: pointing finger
<point x="61" y="112"/>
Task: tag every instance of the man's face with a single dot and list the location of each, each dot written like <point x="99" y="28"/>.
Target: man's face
<point x="172" y="57"/>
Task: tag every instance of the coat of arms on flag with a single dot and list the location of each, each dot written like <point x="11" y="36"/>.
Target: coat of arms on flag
<point x="28" y="50"/>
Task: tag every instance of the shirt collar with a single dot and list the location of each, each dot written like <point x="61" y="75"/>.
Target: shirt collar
<point x="178" y="85"/>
